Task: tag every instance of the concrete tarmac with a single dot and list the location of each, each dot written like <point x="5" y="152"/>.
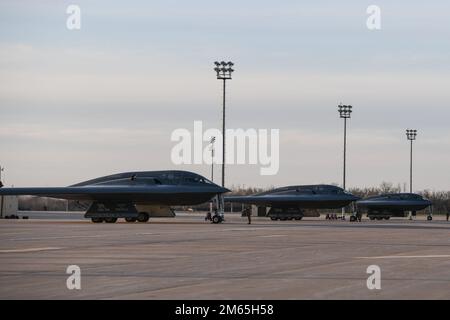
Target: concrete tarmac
<point x="188" y="258"/>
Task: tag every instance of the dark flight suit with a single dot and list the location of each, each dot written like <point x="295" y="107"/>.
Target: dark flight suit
<point x="248" y="212"/>
<point x="358" y="216"/>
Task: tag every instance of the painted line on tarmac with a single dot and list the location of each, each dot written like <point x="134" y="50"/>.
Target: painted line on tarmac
<point x="147" y="234"/>
<point x="243" y="228"/>
<point x="408" y="257"/>
<point x="274" y="235"/>
<point x="29" y="250"/>
<point x="60" y="237"/>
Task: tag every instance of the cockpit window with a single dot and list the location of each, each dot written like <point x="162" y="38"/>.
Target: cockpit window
<point x="411" y="197"/>
<point x="204" y="180"/>
<point x="191" y="179"/>
<point x="169" y="178"/>
<point x="180" y="177"/>
<point x="325" y="189"/>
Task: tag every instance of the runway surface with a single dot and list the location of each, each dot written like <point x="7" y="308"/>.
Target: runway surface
<point x="187" y="258"/>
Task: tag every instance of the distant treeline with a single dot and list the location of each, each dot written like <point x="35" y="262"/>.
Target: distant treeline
<point x="440" y="199"/>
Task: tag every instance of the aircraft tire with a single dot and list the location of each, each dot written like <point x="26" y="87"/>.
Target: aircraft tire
<point x="273" y="218"/>
<point x="143" y="217"/>
<point x="429" y="218"/>
<point x="387" y="218"/>
<point x="97" y="220"/>
<point x="352" y="218"/>
<point x="129" y="219"/>
<point x="110" y="220"/>
<point x="216" y="219"/>
<point x="298" y="218"/>
<point x="372" y="218"/>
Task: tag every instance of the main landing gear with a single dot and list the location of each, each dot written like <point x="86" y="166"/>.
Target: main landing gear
<point x="142" y="217"/>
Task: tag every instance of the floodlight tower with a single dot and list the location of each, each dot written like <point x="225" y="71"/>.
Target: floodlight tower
<point x="411" y="136"/>
<point x="1" y="170"/>
<point x="1" y="198"/>
<point x="224" y="71"/>
<point x="213" y="139"/>
<point x="344" y="113"/>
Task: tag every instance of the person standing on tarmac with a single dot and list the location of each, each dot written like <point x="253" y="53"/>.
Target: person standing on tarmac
<point x="358" y="216"/>
<point x="248" y="213"/>
<point x="448" y="213"/>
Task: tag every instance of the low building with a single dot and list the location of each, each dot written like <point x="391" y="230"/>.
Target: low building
<point x="8" y="205"/>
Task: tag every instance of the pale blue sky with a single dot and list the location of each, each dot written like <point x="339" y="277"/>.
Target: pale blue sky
<point x="79" y="104"/>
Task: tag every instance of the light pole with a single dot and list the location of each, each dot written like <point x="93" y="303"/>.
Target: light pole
<point x="1" y="170"/>
<point x="411" y="136"/>
<point x="1" y="198"/>
<point x="344" y="113"/>
<point x="224" y="71"/>
<point x="213" y="139"/>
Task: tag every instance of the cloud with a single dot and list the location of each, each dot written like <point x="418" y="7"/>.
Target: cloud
<point x="51" y="133"/>
<point x="78" y="105"/>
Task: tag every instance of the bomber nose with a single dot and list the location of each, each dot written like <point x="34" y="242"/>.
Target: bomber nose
<point x="223" y="190"/>
<point x="220" y="189"/>
<point x="353" y="197"/>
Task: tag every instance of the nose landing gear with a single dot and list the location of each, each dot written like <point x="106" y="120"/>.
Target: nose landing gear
<point x="217" y="219"/>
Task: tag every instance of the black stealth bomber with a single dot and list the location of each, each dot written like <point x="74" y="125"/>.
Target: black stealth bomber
<point x="393" y="205"/>
<point x="288" y="202"/>
<point x="132" y="195"/>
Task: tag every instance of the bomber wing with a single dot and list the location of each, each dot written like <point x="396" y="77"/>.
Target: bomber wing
<point x="164" y="194"/>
